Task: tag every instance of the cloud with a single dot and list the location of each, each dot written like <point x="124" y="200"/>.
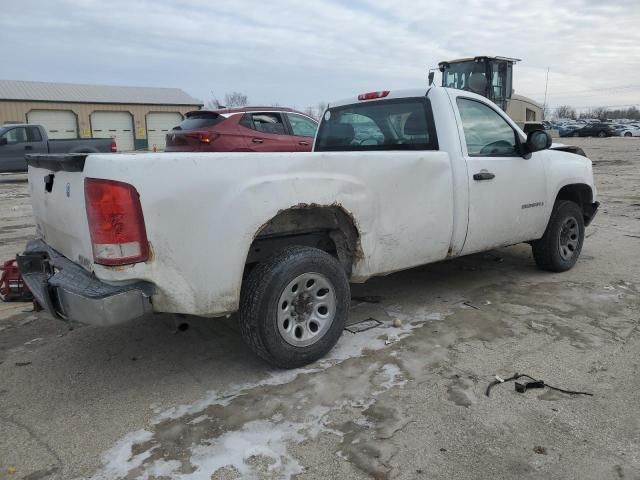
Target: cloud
<point x="299" y="53"/>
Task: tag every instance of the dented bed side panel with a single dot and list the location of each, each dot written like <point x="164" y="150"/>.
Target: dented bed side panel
<point x="202" y="212"/>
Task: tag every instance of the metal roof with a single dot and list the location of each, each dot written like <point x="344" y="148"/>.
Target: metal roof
<point x="78" y="93"/>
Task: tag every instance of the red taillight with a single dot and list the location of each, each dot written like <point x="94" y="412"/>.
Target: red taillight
<point x="203" y="137"/>
<point x="116" y="223"/>
<point x="373" y="95"/>
<point x="114" y="147"/>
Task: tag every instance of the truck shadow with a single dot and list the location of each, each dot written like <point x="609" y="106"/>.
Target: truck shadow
<point x="160" y="353"/>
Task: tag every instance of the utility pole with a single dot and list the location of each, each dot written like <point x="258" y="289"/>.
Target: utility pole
<point x="546" y="85"/>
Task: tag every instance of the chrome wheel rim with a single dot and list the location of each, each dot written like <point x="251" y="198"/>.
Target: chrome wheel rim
<point x="306" y="309"/>
<point x="569" y="238"/>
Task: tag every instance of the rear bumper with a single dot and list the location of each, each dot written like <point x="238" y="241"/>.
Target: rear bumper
<point x="69" y="292"/>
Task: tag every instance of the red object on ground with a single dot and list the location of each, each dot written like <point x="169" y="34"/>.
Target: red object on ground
<point x="12" y="286"/>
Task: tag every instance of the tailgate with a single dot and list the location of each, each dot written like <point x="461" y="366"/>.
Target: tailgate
<point x="56" y="183"/>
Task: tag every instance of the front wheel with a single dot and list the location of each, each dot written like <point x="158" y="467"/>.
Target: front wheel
<point x="293" y="306"/>
<point x="602" y="134"/>
<point x="558" y="250"/>
<point x="628" y="134"/>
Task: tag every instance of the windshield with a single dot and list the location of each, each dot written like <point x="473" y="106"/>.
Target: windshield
<point x="403" y="124"/>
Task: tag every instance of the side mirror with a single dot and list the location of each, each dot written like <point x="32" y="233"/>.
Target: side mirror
<point x="3" y="141"/>
<point x="538" y="140"/>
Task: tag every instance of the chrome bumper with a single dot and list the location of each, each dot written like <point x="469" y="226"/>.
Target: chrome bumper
<point x="69" y="292"/>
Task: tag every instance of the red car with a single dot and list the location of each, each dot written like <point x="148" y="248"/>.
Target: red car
<point x="248" y="129"/>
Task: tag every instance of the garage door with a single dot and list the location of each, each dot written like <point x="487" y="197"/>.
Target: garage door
<point x="158" y="124"/>
<point x="57" y="123"/>
<point x="118" y="125"/>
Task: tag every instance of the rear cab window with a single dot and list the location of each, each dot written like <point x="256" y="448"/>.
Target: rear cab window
<point x="394" y="124"/>
<point x="34" y="134"/>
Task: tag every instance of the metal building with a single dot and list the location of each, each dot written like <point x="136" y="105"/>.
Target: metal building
<point x="137" y="117"/>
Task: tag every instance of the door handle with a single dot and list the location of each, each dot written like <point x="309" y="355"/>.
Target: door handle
<point x="257" y="140"/>
<point x="483" y="175"/>
<point x="306" y="144"/>
<point x="28" y="147"/>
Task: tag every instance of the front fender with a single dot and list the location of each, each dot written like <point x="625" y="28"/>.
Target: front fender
<point x="562" y="169"/>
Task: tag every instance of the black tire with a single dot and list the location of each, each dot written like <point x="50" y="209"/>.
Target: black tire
<point x="260" y="300"/>
<point x="602" y="134"/>
<point x="575" y="134"/>
<point x="550" y="252"/>
<point x="628" y="134"/>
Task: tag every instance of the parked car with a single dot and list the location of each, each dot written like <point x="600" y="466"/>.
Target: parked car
<point x="595" y="130"/>
<point x="619" y="128"/>
<point x="567" y="130"/>
<point x="630" y="131"/>
<point x="17" y="140"/>
<point x="249" y="129"/>
<point x="398" y="180"/>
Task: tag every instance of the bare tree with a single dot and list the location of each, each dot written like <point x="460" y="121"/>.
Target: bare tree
<point x="311" y="112"/>
<point x="322" y="106"/>
<point x="235" y="99"/>
<point x="600" y="113"/>
<point x="565" y="111"/>
<point x="214" y="103"/>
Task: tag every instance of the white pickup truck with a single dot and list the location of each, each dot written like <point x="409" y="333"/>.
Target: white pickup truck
<point x="396" y="180"/>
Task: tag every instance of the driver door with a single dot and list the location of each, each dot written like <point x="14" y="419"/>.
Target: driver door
<point x="506" y="191"/>
<point x="15" y="146"/>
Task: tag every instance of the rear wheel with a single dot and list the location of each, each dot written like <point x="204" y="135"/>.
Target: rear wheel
<point x="628" y="134"/>
<point x="575" y="134"/>
<point x="294" y="306"/>
<point x="559" y="248"/>
<point x="602" y="134"/>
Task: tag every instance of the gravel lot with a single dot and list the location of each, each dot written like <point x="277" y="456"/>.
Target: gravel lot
<point x="147" y="400"/>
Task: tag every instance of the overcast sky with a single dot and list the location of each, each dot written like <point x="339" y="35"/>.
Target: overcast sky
<point x="298" y="53"/>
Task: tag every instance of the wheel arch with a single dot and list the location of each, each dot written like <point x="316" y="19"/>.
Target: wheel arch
<point x="582" y="195"/>
<point x="328" y="227"/>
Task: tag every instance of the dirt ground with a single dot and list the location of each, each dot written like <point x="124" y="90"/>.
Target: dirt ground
<point x="150" y="400"/>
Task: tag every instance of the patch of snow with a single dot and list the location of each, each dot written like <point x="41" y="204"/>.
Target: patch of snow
<point x="394" y="377"/>
<point x="119" y="459"/>
<point x="266" y="438"/>
<point x="199" y="419"/>
<point x="160" y="468"/>
<point x="259" y="438"/>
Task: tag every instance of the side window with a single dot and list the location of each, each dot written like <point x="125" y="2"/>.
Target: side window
<point x="302" y="126"/>
<point x="16" y="135"/>
<point x="246" y="121"/>
<point x="34" y="134"/>
<point x="485" y="131"/>
<point x="531" y="115"/>
<point x="268" y="122"/>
